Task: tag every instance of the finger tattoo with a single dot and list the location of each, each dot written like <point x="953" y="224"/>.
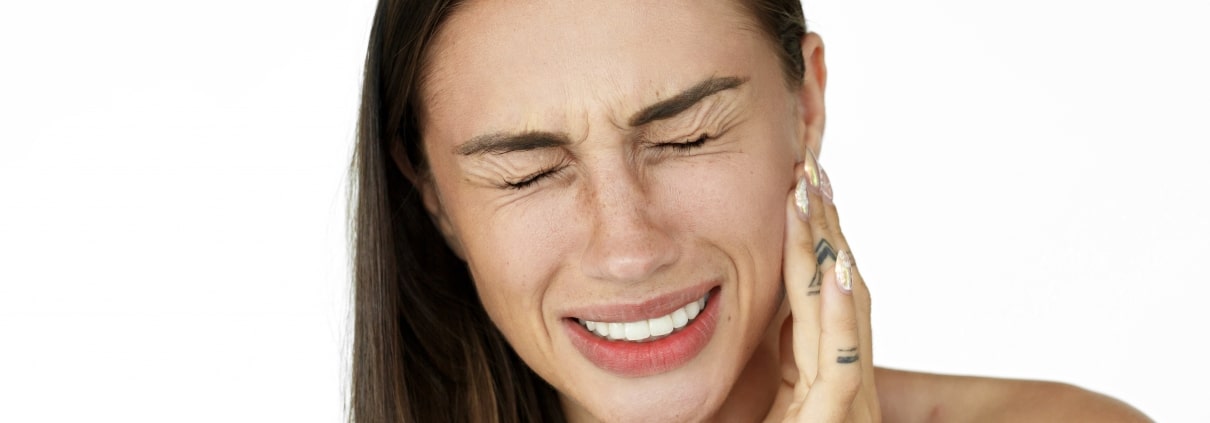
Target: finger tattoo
<point x="814" y="286"/>
<point x="847" y="355"/>
<point x="823" y="252"/>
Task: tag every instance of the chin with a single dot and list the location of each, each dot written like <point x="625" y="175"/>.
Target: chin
<point x="689" y="394"/>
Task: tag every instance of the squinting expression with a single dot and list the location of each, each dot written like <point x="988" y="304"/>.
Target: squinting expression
<point x="603" y="167"/>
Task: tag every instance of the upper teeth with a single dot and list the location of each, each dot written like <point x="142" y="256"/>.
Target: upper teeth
<point x="643" y="330"/>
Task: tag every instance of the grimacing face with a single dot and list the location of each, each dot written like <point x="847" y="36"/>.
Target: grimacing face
<point x="613" y="162"/>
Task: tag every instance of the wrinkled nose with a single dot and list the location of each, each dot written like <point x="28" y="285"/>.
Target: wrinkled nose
<point x="629" y="243"/>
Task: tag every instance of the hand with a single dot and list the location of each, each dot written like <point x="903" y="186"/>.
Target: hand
<point x="831" y="325"/>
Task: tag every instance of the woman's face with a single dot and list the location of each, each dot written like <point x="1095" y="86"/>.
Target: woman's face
<point x="616" y="162"/>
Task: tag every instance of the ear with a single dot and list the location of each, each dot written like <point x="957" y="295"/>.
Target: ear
<point x="436" y="209"/>
<point x="810" y="94"/>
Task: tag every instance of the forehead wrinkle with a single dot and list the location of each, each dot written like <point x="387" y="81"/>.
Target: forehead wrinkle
<point x="615" y="102"/>
<point x="582" y="110"/>
<point x="613" y="88"/>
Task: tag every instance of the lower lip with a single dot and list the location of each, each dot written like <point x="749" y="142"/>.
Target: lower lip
<point x="638" y="359"/>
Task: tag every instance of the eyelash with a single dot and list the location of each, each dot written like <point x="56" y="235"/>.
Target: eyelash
<point x="678" y="146"/>
<point x="531" y="179"/>
<point x="685" y="146"/>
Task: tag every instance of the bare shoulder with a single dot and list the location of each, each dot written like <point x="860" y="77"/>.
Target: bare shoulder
<point x="924" y="397"/>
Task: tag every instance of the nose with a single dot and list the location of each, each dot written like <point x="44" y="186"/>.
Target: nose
<point x="630" y="242"/>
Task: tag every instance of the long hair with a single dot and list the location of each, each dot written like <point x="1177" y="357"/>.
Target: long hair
<point x="424" y="349"/>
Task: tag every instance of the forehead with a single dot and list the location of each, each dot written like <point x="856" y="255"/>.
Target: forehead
<point x="551" y="65"/>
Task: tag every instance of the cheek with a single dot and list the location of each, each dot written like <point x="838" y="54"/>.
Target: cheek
<point x="514" y="254"/>
<point x="735" y="201"/>
<point x="722" y="198"/>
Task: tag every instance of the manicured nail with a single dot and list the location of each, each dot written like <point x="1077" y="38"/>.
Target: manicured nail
<point x="844" y="271"/>
<point x="825" y="185"/>
<point x="801" y="202"/>
<point x="816" y="177"/>
<point x="810" y="165"/>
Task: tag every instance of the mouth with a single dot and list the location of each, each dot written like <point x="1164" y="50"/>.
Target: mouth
<point x="626" y="342"/>
<point x="649" y="329"/>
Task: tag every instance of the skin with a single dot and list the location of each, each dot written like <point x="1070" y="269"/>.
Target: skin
<point x="625" y="220"/>
<point x="621" y="215"/>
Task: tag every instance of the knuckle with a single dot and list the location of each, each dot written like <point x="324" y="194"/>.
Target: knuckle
<point x="803" y="240"/>
<point x="850" y="386"/>
<point x="821" y="222"/>
<point x="842" y="324"/>
<point x="844" y="384"/>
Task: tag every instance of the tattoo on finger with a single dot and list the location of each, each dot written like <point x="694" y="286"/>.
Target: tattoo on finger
<point x="823" y="252"/>
<point x="815" y="285"/>
<point x="847" y="355"/>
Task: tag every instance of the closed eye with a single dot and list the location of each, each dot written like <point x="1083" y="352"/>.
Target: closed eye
<point x="533" y="178"/>
<point x="685" y="146"/>
<point x="677" y="146"/>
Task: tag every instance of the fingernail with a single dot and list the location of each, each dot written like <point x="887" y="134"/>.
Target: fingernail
<point x="825" y="185"/>
<point x="816" y="176"/>
<point x="800" y="199"/>
<point x="844" y="271"/>
<point x="810" y="165"/>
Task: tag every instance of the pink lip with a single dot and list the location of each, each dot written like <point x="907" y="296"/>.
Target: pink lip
<point x="647" y="309"/>
<point x="638" y="359"/>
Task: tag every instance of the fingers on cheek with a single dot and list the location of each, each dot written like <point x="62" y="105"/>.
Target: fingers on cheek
<point x="797" y="262"/>
<point x="798" y="232"/>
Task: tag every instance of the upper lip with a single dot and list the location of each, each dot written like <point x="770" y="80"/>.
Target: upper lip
<point x="650" y="308"/>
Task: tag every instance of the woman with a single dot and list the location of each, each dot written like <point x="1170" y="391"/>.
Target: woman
<point x="612" y="211"/>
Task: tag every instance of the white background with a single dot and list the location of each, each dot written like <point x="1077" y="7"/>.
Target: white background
<point x="1025" y="185"/>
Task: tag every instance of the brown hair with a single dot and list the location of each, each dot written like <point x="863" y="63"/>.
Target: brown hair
<point x="424" y="349"/>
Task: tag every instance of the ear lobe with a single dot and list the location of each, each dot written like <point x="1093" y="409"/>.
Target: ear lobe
<point x="811" y="93"/>
<point x="432" y="203"/>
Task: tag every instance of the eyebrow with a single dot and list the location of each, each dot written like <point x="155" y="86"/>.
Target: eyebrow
<point x="506" y="142"/>
<point x="681" y="102"/>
